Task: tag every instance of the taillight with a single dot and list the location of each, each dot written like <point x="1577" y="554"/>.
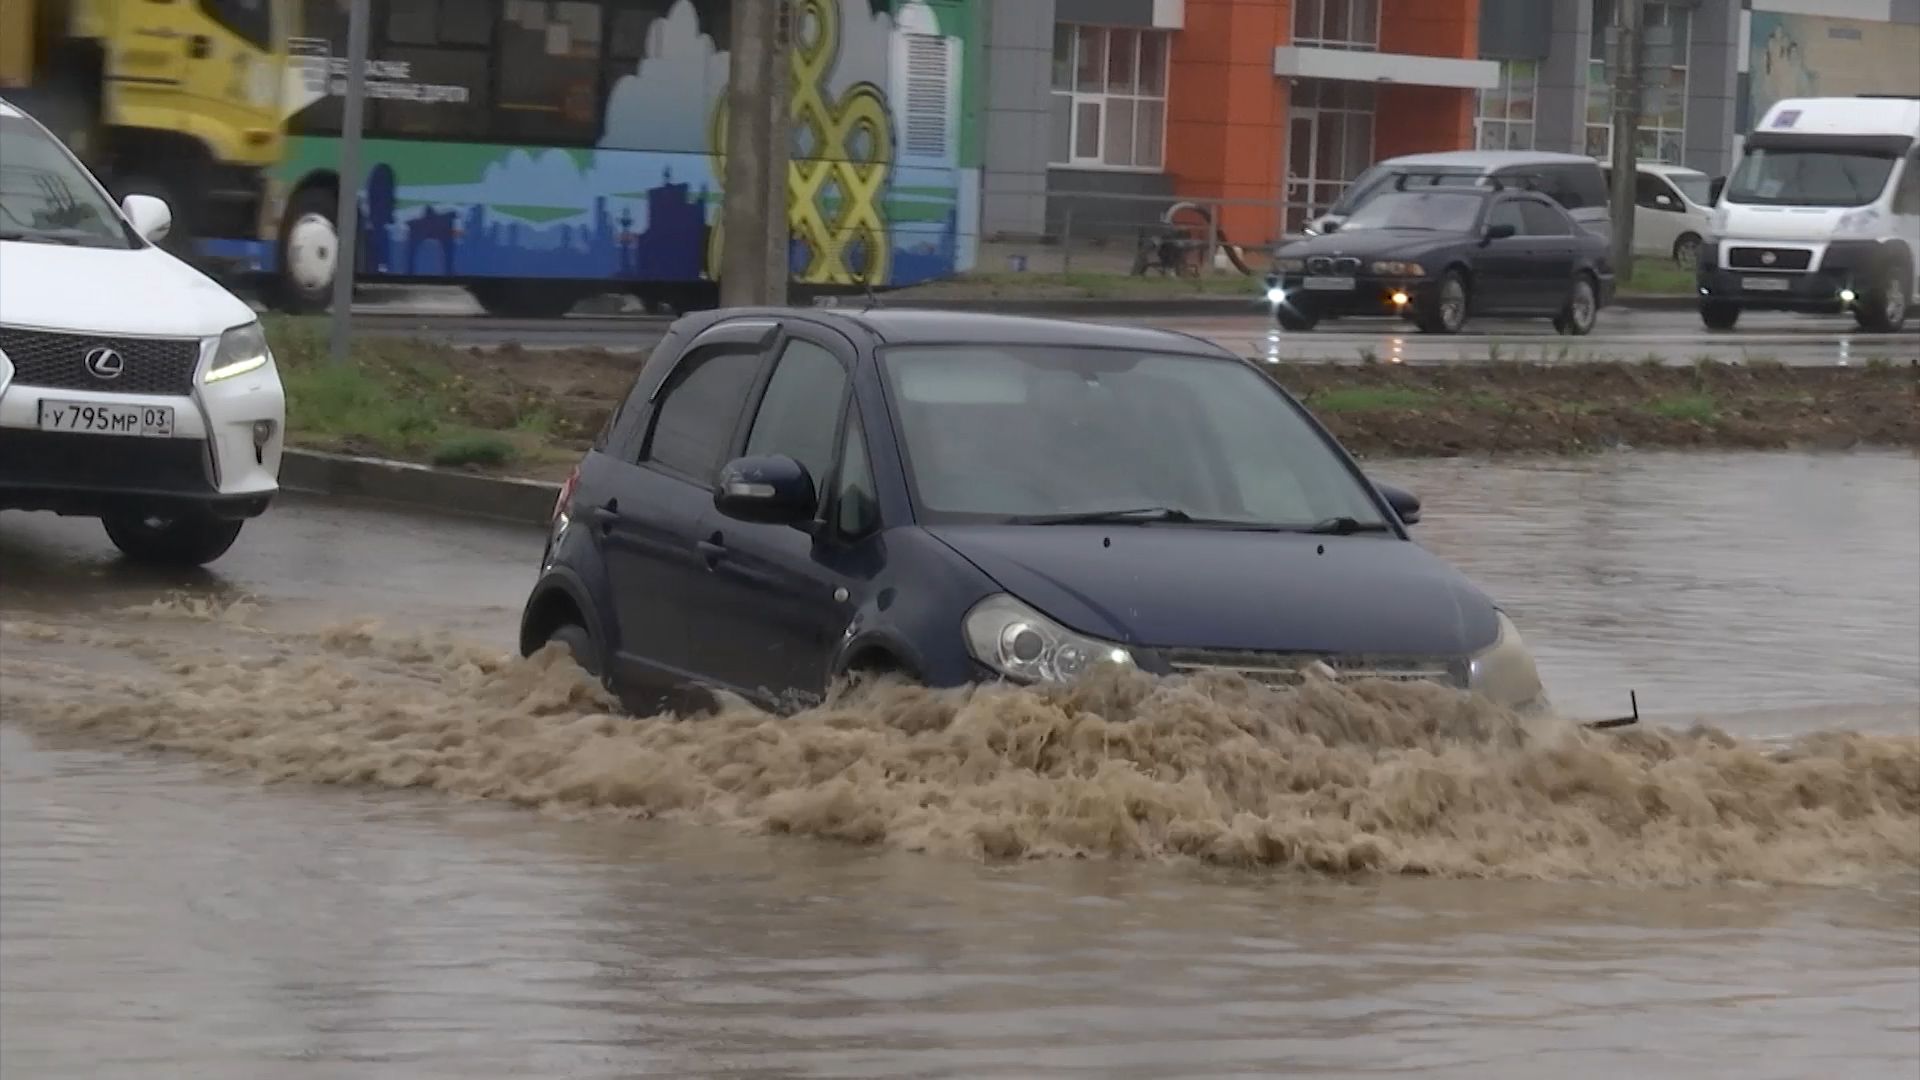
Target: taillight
<point x="561" y="504"/>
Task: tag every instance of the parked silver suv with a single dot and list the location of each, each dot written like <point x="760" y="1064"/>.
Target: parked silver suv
<point x="1572" y="180"/>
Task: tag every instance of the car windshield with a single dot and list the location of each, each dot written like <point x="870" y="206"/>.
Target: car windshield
<point x="1695" y="186"/>
<point x="1781" y="177"/>
<point x="1007" y="433"/>
<point x="46" y="198"/>
<point x="1379" y="178"/>
<point x="1441" y="211"/>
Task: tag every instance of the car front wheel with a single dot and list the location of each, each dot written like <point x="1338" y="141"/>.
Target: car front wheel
<point x="1718" y="314"/>
<point x="186" y="538"/>
<point x="1447" y="312"/>
<point x="1883" y="310"/>
<point x="580" y="644"/>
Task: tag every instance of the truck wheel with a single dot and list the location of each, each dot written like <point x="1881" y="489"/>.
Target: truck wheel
<point x="1718" y="314"/>
<point x="309" y="253"/>
<point x="526" y="299"/>
<point x="1883" y="310"/>
<point x="188" y="538"/>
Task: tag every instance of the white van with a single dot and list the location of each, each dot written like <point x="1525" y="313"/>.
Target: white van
<point x="1672" y="209"/>
<point x="1572" y="180"/>
<point x="1821" y="215"/>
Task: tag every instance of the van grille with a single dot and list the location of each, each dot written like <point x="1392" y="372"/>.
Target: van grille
<point x="59" y="361"/>
<point x="1290" y="669"/>
<point x="1769" y="258"/>
<point x="1325" y="264"/>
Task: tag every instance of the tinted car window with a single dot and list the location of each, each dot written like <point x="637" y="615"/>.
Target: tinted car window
<point x="1011" y="432"/>
<point x="1543" y="220"/>
<point x="800" y="413"/>
<point x="856" y="510"/>
<point x="1647" y="189"/>
<point x="694" y="422"/>
<point x="1508" y="213"/>
<point x="1575" y="187"/>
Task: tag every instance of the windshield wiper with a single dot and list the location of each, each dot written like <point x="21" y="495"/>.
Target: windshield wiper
<point x="1138" y="515"/>
<point x="1345" y="526"/>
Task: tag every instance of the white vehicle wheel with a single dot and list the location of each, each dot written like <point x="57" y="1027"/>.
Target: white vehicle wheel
<point x="189" y="538"/>
<point x="309" y="253"/>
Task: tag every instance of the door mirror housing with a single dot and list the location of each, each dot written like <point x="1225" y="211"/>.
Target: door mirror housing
<point x="769" y="490"/>
<point x="1664" y="202"/>
<point x="150" y="217"/>
<point x="1500" y="232"/>
<point x="1405" y="503"/>
<point x="1329" y="226"/>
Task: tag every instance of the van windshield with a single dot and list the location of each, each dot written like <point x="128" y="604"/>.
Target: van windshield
<point x="1782" y="177"/>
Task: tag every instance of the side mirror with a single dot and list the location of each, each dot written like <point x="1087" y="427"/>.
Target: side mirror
<point x="1664" y="202"/>
<point x="771" y="490"/>
<point x="1500" y="232"/>
<point x="1330" y="226"/>
<point x="150" y="217"/>
<point x="1405" y="503"/>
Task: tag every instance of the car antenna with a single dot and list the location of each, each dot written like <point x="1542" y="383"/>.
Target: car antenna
<point x="872" y="300"/>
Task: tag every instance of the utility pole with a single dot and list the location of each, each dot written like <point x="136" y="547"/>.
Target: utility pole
<point x="1627" y="16"/>
<point x="347" y="213"/>
<point x="753" y="208"/>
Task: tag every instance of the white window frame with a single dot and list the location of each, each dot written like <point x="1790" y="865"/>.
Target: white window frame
<point x="1488" y="120"/>
<point x="1102" y="99"/>
<point x="1363" y="25"/>
<point x="1597" y="77"/>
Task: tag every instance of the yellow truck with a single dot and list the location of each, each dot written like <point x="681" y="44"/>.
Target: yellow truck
<point x="174" y="98"/>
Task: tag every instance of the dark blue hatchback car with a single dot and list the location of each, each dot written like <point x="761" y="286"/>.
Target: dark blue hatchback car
<point x="789" y="496"/>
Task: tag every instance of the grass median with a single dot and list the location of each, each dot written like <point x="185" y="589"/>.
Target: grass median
<point x="512" y="411"/>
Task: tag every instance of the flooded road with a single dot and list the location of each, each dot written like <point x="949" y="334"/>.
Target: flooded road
<point x="669" y="916"/>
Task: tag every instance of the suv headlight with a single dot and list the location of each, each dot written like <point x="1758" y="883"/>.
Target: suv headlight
<point x="242" y="349"/>
<point x="1024" y="645"/>
<point x="1504" y="672"/>
<point x="1858" y="223"/>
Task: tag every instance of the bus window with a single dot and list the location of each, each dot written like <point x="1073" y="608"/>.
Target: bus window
<point x="549" y="65"/>
<point x="250" y="20"/>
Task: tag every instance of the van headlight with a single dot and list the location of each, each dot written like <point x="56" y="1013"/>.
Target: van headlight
<point x="1026" y="646"/>
<point x="241" y="349"/>
<point x="1864" y="222"/>
<point x="1504" y="672"/>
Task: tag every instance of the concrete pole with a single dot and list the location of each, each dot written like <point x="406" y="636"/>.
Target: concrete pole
<point x="753" y="254"/>
<point x="347" y="213"/>
<point x="1626" y="130"/>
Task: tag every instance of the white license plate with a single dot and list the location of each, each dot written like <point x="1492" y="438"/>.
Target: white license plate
<point x="92" y="418"/>
<point x="1330" y="284"/>
<point x="1766" y="284"/>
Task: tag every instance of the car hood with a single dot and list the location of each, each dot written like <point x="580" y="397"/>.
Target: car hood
<point x="1370" y="243"/>
<point x="1759" y="224"/>
<point x="1171" y="586"/>
<point x="100" y="291"/>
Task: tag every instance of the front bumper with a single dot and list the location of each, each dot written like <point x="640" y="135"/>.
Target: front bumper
<point x="1370" y="295"/>
<point x="1835" y="268"/>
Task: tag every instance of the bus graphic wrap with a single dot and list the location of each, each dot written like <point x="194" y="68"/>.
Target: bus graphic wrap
<point x="584" y="141"/>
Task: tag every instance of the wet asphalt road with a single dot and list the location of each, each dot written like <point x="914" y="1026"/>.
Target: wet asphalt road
<point x="1622" y="335"/>
<point x="158" y="918"/>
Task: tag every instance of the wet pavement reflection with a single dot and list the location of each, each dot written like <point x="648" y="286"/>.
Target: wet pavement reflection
<point x="159" y="917"/>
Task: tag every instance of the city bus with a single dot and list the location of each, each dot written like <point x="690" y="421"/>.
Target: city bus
<point x="536" y="152"/>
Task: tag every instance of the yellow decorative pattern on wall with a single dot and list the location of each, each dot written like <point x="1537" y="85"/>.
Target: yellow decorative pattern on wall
<point x="836" y="188"/>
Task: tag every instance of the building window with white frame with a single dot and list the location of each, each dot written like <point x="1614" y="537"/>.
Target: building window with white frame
<point x="1109" y="97"/>
<point x="1337" y="24"/>
<point x="1505" y="120"/>
<point x="1665" y="38"/>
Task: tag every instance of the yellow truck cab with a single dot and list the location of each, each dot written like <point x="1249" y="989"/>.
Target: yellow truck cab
<point x="174" y="98"/>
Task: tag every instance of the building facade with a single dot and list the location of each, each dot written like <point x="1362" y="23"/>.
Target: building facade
<point x="1101" y="109"/>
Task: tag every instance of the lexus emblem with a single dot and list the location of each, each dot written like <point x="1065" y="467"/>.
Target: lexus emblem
<point x="1769" y="258"/>
<point x="104" y="363"/>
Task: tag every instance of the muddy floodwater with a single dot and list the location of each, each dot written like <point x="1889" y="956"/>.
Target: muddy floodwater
<point x="304" y="816"/>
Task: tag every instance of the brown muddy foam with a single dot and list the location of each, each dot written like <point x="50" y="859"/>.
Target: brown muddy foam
<point x="1332" y="779"/>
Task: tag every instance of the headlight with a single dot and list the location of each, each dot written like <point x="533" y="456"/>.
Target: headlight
<point x="1858" y="223"/>
<point x="1504" y="671"/>
<point x="1290" y="266"/>
<point x="1398" y="269"/>
<point x="1022" y="644"/>
<point x="242" y="349"/>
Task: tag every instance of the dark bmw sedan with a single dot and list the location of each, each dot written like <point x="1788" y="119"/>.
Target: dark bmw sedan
<point x="787" y="497"/>
<point x="1439" y="255"/>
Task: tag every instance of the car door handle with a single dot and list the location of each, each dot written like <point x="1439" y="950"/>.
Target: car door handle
<point x="712" y="549"/>
<point x="605" y="515"/>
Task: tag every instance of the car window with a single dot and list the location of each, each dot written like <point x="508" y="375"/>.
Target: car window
<point x="1647" y="190"/>
<point x="1008" y="432"/>
<point x="1575" y="187"/>
<point x="800" y="412"/>
<point x="46" y="198"/>
<point x="856" y="508"/>
<point x="1442" y="211"/>
<point x="1508" y="213"/>
<point x="1907" y="199"/>
<point x="694" y="421"/>
<point x="1543" y="220"/>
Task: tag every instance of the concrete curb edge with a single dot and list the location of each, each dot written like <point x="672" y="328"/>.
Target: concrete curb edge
<point x="421" y="487"/>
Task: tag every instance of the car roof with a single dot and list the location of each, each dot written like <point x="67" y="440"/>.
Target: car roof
<point x="1664" y="168"/>
<point x="920" y="326"/>
<point x="1490" y="159"/>
<point x="7" y="109"/>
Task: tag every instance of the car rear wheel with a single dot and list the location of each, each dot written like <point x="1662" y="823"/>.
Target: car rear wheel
<point x="1718" y="314"/>
<point x="187" y="538"/>
<point x="580" y="644"/>
<point x="1582" y="310"/>
<point x="1883" y="310"/>
<point x="1447" y="312"/>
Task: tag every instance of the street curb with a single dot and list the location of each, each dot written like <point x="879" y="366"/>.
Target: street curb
<point x="422" y="487"/>
<point x="1189" y="307"/>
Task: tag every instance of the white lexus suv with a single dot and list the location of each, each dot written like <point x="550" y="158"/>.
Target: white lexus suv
<point x="133" y="389"/>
